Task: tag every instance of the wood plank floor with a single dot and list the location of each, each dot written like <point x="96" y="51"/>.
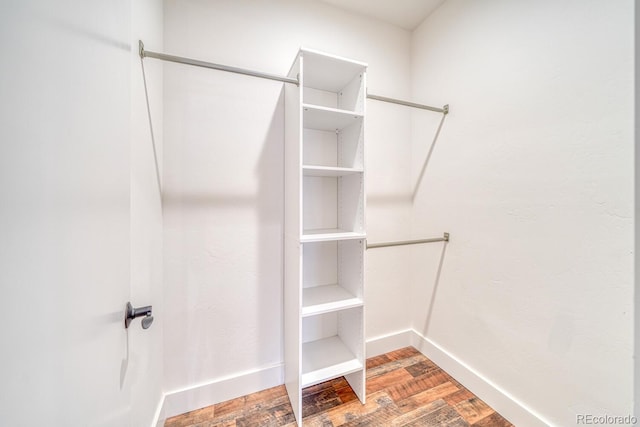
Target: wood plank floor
<point x="404" y="388"/>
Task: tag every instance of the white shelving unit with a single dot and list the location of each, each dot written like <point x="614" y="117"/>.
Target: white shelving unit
<point x="324" y="224"/>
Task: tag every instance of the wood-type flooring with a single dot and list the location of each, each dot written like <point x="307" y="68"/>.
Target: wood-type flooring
<point x="404" y="388"/>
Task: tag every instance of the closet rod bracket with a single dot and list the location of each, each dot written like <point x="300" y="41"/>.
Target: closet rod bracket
<point x="140" y="48"/>
<point x="445" y="109"/>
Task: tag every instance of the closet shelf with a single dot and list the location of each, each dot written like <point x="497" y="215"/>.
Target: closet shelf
<point x="328" y="171"/>
<point x="329" y="72"/>
<point x="325" y="118"/>
<point x="330" y="234"/>
<point x="327" y="298"/>
<point x="325" y="359"/>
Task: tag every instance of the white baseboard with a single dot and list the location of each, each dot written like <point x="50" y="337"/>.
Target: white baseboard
<point x="386" y="343"/>
<point x="505" y="404"/>
<point x="218" y="390"/>
<point x="221" y="389"/>
<point x="232" y="386"/>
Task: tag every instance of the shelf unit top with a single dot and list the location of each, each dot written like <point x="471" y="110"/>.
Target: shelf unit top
<point x="328" y="171"/>
<point x="326" y="118"/>
<point x="328" y="72"/>
<point x="327" y="298"/>
<point x="329" y="234"/>
<point x="325" y="359"/>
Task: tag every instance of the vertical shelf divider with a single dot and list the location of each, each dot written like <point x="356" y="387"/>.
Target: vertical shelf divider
<point x="292" y="245"/>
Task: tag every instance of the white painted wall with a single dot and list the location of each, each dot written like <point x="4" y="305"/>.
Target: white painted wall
<point x="80" y="214"/>
<point x="146" y="346"/>
<point x="64" y="212"/>
<point x="533" y="177"/>
<point x="223" y="178"/>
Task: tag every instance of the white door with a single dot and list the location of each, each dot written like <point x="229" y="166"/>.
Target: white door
<point x="64" y="212"/>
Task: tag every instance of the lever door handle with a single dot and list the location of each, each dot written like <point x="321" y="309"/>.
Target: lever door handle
<point x="131" y="313"/>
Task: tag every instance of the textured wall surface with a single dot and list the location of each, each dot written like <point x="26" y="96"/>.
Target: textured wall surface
<point x="223" y="175"/>
<point x="533" y="176"/>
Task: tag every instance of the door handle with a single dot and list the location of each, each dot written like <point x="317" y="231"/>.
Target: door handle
<point x="131" y="313"/>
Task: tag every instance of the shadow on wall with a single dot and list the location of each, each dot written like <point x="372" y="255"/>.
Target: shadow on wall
<point x="153" y="138"/>
<point x="387" y="199"/>
<point x="124" y="365"/>
<point x="270" y="174"/>
<point x="234" y="288"/>
<point x="434" y="291"/>
<point x="426" y="160"/>
<point x="408" y="199"/>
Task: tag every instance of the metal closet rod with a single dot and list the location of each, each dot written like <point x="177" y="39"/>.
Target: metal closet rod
<point x="443" y="110"/>
<point x="195" y="62"/>
<point x="444" y="238"/>
<point x="182" y="60"/>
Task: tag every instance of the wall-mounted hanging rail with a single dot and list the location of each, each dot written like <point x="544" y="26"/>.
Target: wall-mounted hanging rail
<point x="211" y="65"/>
<point x="188" y="61"/>
<point x="444" y="238"/>
<point x="443" y="110"/>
